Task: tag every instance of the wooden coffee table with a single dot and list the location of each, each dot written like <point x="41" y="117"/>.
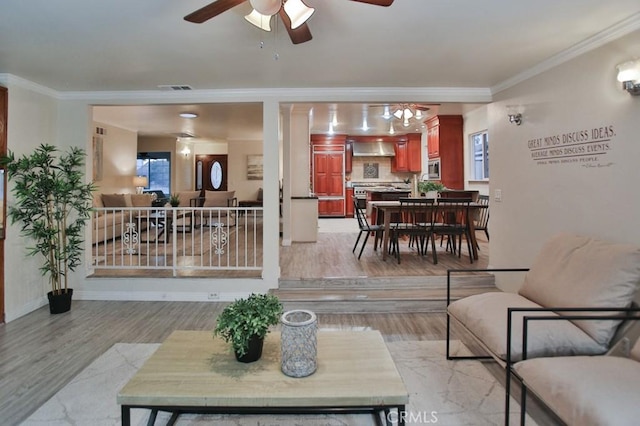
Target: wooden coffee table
<point x="193" y="373"/>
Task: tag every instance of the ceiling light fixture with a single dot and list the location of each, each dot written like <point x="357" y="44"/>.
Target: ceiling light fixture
<point x="629" y="76"/>
<point x="188" y="115"/>
<point x="392" y="131"/>
<point x="263" y="10"/>
<point x="404" y="113"/>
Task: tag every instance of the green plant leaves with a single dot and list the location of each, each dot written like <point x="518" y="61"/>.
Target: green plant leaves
<point x="244" y="318"/>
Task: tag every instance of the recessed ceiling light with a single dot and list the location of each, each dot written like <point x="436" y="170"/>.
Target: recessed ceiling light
<point x="188" y="115"/>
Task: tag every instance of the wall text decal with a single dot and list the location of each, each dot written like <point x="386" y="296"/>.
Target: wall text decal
<point x="588" y="148"/>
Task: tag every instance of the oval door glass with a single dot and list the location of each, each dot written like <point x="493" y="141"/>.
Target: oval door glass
<point x="216" y="175"/>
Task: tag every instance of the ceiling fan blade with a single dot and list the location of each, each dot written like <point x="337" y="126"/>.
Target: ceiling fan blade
<point x="211" y="10"/>
<point x="377" y="2"/>
<point x="299" y="35"/>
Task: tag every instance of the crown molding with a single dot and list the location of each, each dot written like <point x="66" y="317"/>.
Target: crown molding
<point x="324" y="94"/>
<point x="13" y="80"/>
<point x="610" y="34"/>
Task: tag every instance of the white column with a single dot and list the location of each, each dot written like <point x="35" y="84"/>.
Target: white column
<point x="271" y="223"/>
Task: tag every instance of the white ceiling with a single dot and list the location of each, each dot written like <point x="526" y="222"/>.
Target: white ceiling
<point x="124" y="45"/>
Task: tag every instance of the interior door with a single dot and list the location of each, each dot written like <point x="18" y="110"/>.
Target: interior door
<point x="211" y="172"/>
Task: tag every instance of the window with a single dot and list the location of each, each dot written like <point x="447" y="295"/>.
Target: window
<point x="479" y="155"/>
<point x="157" y="167"/>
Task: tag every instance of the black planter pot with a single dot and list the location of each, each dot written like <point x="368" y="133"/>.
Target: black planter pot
<point x="60" y="303"/>
<point x="254" y="352"/>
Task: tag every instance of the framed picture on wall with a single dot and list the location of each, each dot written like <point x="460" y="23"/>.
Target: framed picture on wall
<point x="254" y="167"/>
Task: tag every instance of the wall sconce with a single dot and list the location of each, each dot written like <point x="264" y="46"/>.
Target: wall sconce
<point x="185" y="151"/>
<point x="629" y="76"/>
<point x="140" y="182"/>
<point x="514" y="115"/>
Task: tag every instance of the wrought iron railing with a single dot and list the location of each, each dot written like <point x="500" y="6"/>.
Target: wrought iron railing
<point x="177" y="239"/>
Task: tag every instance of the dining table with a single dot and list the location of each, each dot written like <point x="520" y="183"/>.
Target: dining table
<point x="386" y="209"/>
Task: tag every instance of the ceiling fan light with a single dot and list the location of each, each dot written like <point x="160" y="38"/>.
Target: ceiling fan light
<point x="298" y="12"/>
<point x="266" y="7"/>
<point x="259" y="20"/>
<point x="407" y="114"/>
<point x="386" y="114"/>
<point x="419" y="114"/>
<point x="398" y="114"/>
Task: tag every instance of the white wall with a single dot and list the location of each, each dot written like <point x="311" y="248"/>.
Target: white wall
<point x="237" y="169"/>
<point x="596" y="198"/>
<point x="32" y="121"/>
<point x="119" y="149"/>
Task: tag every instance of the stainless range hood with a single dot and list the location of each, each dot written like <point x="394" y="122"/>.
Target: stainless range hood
<point x="373" y="149"/>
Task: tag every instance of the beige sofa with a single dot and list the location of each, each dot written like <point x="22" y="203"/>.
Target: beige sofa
<point x="586" y="390"/>
<point x="109" y="224"/>
<point x="572" y="274"/>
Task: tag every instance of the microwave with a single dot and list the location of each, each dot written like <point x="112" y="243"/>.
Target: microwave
<point x="433" y="169"/>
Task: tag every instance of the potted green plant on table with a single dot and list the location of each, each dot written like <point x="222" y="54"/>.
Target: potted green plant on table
<point x="174" y="200"/>
<point x="431" y="187"/>
<point x="52" y="204"/>
<point x="245" y="322"/>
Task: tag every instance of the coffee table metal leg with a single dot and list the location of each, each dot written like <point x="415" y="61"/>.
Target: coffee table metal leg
<point x="152" y="417"/>
<point x="125" y="415"/>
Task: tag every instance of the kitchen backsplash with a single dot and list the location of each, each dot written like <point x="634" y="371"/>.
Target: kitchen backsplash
<point x="363" y="170"/>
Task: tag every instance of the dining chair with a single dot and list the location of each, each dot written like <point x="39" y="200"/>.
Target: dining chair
<point x="366" y="229"/>
<point x="482" y="218"/>
<point x="411" y="222"/>
<point x="453" y="223"/>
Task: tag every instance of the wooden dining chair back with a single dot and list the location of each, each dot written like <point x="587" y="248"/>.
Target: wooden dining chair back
<point x="365" y="228"/>
<point x="482" y="218"/>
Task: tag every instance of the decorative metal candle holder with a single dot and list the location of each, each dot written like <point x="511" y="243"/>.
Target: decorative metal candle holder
<point x="299" y="343"/>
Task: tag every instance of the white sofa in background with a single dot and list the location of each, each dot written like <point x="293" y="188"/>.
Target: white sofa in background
<point x="109" y="224"/>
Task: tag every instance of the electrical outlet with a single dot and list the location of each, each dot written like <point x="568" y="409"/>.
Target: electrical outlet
<point x="497" y="195"/>
<point x="214" y="296"/>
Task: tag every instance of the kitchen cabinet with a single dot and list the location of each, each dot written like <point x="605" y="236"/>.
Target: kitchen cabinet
<point x="445" y="141"/>
<point x="408" y="156"/>
<point x="328" y="174"/>
<point x="348" y="157"/>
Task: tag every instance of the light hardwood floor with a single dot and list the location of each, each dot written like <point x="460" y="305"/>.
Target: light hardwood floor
<point x="40" y="352"/>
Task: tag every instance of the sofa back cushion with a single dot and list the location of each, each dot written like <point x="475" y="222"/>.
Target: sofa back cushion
<point x="218" y="198"/>
<point x="114" y="200"/>
<point x="185" y="198"/>
<point x="141" y="200"/>
<point x="578" y="271"/>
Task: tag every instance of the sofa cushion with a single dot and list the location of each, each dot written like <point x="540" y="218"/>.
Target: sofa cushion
<point x="485" y="316"/>
<point x="114" y="200"/>
<point x="185" y="198"/>
<point x="598" y="390"/>
<point x="141" y="200"/>
<point x="218" y="198"/>
<point x="97" y="200"/>
<point x="578" y="271"/>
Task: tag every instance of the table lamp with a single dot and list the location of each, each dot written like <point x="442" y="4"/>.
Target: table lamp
<point x="140" y="182"/>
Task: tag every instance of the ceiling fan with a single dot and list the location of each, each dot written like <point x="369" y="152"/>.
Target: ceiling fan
<point x="294" y="14"/>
